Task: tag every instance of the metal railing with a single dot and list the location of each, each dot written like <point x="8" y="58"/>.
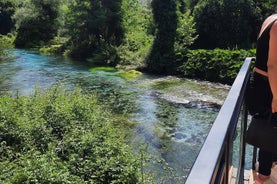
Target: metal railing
<point x="214" y="163"/>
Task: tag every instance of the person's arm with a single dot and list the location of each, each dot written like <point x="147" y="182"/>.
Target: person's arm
<point x="272" y="65"/>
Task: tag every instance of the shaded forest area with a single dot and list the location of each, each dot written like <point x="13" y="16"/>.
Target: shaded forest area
<point x="155" y="36"/>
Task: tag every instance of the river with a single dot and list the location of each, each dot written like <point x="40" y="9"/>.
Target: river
<point x="173" y="115"/>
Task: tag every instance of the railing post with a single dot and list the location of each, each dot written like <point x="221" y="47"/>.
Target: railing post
<point x="254" y="159"/>
<point x="244" y="121"/>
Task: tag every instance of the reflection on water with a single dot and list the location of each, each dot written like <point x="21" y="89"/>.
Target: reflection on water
<point x="173" y="115"/>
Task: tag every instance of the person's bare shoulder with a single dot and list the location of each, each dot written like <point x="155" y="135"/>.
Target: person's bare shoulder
<point x="273" y="43"/>
<point x="271" y="18"/>
<point x="273" y="30"/>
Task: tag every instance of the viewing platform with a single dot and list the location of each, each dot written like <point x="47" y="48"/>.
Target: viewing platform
<point x="249" y="176"/>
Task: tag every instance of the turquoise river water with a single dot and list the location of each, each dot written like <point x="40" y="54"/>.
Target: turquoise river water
<point x="173" y="115"/>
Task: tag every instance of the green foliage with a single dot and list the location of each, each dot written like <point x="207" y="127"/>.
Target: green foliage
<point x="137" y="19"/>
<point x="105" y="54"/>
<point x="52" y="49"/>
<point x="240" y="26"/>
<point x="214" y="65"/>
<point x="7" y="9"/>
<point x="185" y="35"/>
<point x="55" y="46"/>
<point x="127" y="32"/>
<point x="36" y="22"/>
<point x="192" y="3"/>
<point x="162" y="53"/>
<point x="62" y="137"/>
<point x="267" y="7"/>
<point x="95" y="29"/>
<point x="175" y="32"/>
<point x="6" y="42"/>
<point x="207" y="17"/>
<point x="226" y="23"/>
<point x="37" y="168"/>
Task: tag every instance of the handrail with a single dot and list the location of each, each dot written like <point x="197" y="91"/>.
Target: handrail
<point x="215" y="158"/>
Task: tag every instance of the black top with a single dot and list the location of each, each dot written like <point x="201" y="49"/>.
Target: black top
<point x="262" y="49"/>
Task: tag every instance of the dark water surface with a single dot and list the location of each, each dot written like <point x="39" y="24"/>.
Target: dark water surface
<point x="174" y="115"/>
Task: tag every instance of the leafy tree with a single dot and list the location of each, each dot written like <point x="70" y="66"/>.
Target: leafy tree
<point x="175" y="32"/>
<point x="240" y="27"/>
<point x="137" y="22"/>
<point x="7" y="9"/>
<point x="36" y="22"/>
<point x="94" y="26"/>
<point x="208" y="23"/>
<point x="185" y="34"/>
<point x="162" y="52"/>
<point x="226" y="23"/>
<point x="267" y="7"/>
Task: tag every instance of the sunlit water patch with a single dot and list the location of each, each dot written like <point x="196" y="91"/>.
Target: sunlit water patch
<point x="173" y="132"/>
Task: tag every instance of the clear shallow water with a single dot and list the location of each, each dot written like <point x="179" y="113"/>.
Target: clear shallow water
<point x="174" y="115"/>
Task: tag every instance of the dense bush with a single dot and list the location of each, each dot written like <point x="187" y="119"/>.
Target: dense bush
<point x="6" y="42"/>
<point x="62" y="137"/>
<point x="214" y="65"/>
